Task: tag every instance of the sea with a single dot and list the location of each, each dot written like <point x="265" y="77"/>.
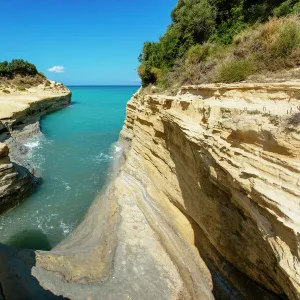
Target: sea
<point x="73" y="157"/>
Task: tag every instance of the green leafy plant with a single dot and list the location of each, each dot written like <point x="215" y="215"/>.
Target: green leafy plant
<point x="17" y="67"/>
<point x="213" y="40"/>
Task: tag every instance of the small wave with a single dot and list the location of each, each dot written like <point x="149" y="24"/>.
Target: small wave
<point x="117" y="148"/>
<point x="102" y="157"/>
<point x="32" y="144"/>
<point x="66" y="185"/>
<point x="65" y="228"/>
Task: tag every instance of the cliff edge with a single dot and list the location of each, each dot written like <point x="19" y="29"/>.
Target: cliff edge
<point x="226" y="159"/>
<point x="205" y="204"/>
<point x="20" y="112"/>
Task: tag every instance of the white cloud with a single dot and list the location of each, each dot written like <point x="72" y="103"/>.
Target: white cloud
<point x="57" y="69"/>
<point x="136" y="80"/>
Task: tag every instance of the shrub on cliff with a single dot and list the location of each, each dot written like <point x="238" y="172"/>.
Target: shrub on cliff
<point x="17" y="67"/>
<point x="21" y="88"/>
<point x="193" y="22"/>
<point x="207" y="36"/>
<point x="273" y="45"/>
<point x="235" y="70"/>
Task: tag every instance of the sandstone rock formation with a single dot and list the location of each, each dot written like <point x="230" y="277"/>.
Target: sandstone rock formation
<point x="205" y="204"/>
<point x="226" y="159"/>
<point x="15" y="181"/>
<point x="19" y="120"/>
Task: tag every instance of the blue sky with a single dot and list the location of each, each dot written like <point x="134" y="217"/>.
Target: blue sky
<point x="97" y="42"/>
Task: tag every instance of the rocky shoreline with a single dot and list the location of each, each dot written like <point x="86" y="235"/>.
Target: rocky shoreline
<point x="20" y="114"/>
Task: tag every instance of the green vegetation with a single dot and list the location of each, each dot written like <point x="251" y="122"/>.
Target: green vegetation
<point x="254" y="112"/>
<point x="20" y="74"/>
<point x="223" y="41"/>
<point x="6" y="91"/>
<point x="21" y="88"/>
<point x="235" y="70"/>
<point x="17" y="67"/>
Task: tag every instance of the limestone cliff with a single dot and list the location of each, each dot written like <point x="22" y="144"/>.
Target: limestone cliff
<point x="225" y="159"/>
<point x="204" y="205"/>
<point x="19" y="120"/>
<point x="15" y="181"/>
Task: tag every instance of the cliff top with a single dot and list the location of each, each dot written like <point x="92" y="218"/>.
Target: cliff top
<point x="13" y="100"/>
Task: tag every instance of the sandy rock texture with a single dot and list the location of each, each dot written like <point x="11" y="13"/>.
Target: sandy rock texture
<point x="15" y="181"/>
<point x="221" y="163"/>
<point x="20" y="113"/>
<point x="204" y="205"/>
<point x="124" y="249"/>
<point x="113" y="254"/>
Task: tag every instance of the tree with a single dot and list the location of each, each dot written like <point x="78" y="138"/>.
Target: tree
<point x="17" y="67"/>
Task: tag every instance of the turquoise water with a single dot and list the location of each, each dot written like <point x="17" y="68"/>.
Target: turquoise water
<point x="73" y="158"/>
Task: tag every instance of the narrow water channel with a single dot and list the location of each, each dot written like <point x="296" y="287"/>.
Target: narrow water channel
<point x="73" y="158"/>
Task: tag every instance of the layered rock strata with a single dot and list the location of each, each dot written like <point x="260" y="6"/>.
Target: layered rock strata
<point x="15" y="181"/>
<point x="225" y="158"/>
<point x="205" y="205"/>
<point x="19" y="121"/>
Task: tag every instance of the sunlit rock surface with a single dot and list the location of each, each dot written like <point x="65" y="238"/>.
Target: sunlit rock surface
<point x="20" y="113"/>
<point x="15" y="181"/>
<point x="205" y="203"/>
<point x="226" y="159"/>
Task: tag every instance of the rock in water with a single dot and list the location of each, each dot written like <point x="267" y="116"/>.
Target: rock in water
<point x="16" y="182"/>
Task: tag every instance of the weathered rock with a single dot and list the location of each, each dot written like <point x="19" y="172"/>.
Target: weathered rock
<point x="205" y="204"/>
<point x="19" y="120"/>
<point x="16" y="182"/>
<point x="3" y="150"/>
<point x="225" y="158"/>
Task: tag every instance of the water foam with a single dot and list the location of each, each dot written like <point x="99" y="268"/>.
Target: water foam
<point x="32" y="144"/>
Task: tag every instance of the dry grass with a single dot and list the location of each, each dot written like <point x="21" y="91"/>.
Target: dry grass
<point x="294" y="119"/>
<point x="273" y="45"/>
<point x="264" y="49"/>
<point x="24" y="81"/>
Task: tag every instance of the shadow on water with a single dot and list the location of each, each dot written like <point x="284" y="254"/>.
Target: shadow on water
<point x="74" y="103"/>
<point x="30" y="239"/>
<point x="17" y="280"/>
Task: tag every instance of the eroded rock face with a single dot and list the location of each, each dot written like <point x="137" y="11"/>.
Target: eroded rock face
<point x="205" y="204"/>
<point x="16" y="182"/>
<point x="225" y="159"/>
<point x="19" y="121"/>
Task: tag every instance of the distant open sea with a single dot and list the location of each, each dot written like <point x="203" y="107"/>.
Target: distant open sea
<point x="73" y="158"/>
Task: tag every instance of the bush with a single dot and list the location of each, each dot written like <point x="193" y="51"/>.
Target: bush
<point x="42" y="75"/>
<point x="296" y="8"/>
<point x="21" y="88"/>
<point x="235" y="70"/>
<point x="47" y="83"/>
<point x="17" y="67"/>
<point x="287" y="39"/>
<point x="198" y="52"/>
<point x="272" y="44"/>
<point x="210" y="38"/>
<point x="284" y="9"/>
<point x="6" y="91"/>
